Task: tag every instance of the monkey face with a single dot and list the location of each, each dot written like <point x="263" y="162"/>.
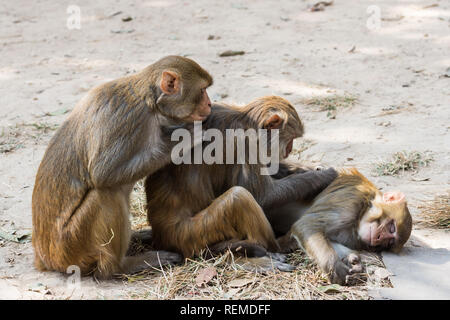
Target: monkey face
<point x="184" y="95"/>
<point x="387" y="224"/>
<point x="202" y="107"/>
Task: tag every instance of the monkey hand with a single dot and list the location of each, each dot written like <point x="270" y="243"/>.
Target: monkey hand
<point x="346" y="272"/>
<point x="315" y="181"/>
<point x="329" y="174"/>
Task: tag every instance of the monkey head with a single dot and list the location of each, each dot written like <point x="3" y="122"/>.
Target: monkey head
<point x="387" y="224"/>
<point x="273" y="112"/>
<point x="182" y="87"/>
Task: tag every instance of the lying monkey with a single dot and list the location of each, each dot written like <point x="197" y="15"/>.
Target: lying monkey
<point x="350" y="214"/>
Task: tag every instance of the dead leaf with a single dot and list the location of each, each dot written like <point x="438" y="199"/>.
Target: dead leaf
<point x="431" y="6"/>
<point x="205" y="275"/>
<point x="230" y="53"/>
<point x="19" y="237"/>
<point x="58" y="112"/>
<point x="236" y="283"/>
<point x="40" y="288"/>
<point x="330" y="288"/>
<point x="320" y="6"/>
<point x="446" y="74"/>
<point x="231" y="293"/>
<point x="114" y="14"/>
<point x="420" y="179"/>
<point x="382" y="273"/>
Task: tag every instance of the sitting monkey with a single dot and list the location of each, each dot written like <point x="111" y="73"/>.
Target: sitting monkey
<point x="220" y="206"/>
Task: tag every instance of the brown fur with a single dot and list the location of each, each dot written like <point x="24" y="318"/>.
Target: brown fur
<point x="113" y="137"/>
<point x="193" y="206"/>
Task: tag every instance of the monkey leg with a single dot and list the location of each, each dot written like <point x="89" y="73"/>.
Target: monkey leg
<point x="112" y="258"/>
<point x="144" y="236"/>
<point x="287" y="243"/>
<point x="265" y="264"/>
<point x="97" y="236"/>
<point x="240" y="247"/>
<point x="233" y="215"/>
<point x="253" y="257"/>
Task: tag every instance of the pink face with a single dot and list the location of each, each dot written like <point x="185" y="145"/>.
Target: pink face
<point x="381" y="232"/>
<point x="204" y="108"/>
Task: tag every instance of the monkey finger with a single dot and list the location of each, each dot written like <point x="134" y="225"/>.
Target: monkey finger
<point x="357" y="268"/>
<point x="353" y="259"/>
<point x="285" y="267"/>
<point x="277" y="256"/>
<point x="340" y="272"/>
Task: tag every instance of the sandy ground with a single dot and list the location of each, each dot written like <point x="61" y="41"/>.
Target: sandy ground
<point x="397" y="73"/>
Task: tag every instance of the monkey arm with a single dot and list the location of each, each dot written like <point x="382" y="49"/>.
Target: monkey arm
<point x="124" y="170"/>
<point x="317" y="247"/>
<point x="295" y="187"/>
<point x="126" y="153"/>
<point x="286" y="168"/>
<point x="341" y="250"/>
<point x="333" y="258"/>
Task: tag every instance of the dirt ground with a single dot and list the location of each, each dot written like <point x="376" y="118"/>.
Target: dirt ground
<point x="396" y="70"/>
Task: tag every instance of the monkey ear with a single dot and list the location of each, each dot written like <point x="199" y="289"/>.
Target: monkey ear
<point x="170" y="82"/>
<point x="274" y="122"/>
<point x="394" y="197"/>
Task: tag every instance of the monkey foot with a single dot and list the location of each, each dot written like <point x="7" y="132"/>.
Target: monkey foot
<point x="277" y="256"/>
<point x="269" y="263"/>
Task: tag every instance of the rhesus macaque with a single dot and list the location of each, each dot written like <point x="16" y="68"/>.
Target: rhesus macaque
<point x="350" y="214"/>
<point x="115" y="136"/>
<point x="220" y="206"/>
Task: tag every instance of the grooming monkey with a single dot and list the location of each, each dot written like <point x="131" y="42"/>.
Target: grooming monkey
<point x="220" y="206"/>
<point x="350" y="214"/>
<point x="115" y="136"/>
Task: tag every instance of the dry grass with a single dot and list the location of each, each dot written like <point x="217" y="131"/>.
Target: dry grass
<point x="403" y="161"/>
<point x="137" y="206"/>
<point x="436" y="213"/>
<point x="331" y="104"/>
<point x="234" y="282"/>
